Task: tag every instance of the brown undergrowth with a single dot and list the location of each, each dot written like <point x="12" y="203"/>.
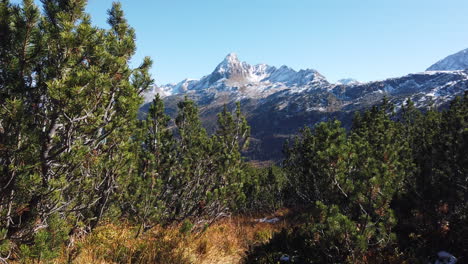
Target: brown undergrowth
<point x="226" y="241"/>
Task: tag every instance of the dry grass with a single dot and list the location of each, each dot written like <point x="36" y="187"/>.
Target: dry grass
<point x="228" y="240"/>
<point x="224" y="242"/>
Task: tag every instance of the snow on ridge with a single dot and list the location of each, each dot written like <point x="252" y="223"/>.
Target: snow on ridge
<point x="262" y="80"/>
<point x="348" y="81"/>
<point x="254" y="81"/>
<point x="457" y="61"/>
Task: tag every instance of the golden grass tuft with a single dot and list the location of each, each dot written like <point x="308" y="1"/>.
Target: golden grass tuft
<point x="224" y="242"/>
<point x="228" y="240"/>
<point x="117" y="244"/>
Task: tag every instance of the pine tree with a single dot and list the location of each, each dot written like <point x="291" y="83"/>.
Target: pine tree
<point x="151" y="184"/>
<point x="450" y="171"/>
<point x="264" y="189"/>
<point x="382" y="163"/>
<point x="231" y="137"/>
<point x="68" y="107"/>
<point x="316" y="160"/>
<point x="349" y="182"/>
<point x="192" y="171"/>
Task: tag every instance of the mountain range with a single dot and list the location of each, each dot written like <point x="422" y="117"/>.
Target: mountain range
<point x="280" y="101"/>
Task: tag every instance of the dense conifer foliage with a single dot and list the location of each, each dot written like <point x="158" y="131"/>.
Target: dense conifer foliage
<point x="184" y="173"/>
<point x="434" y="207"/>
<point x="72" y="149"/>
<point x="68" y="103"/>
<point x="392" y="189"/>
<point x="350" y="180"/>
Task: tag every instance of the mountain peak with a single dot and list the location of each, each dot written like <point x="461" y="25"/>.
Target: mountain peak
<point x="454" y="62"/>
<point x="229" y="68"/>
<point x="231" y="57"/>
<point x="231" y="61"/>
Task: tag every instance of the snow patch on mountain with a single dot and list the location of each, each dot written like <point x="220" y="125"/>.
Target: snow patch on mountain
<point x="457" y="61"/>
<point x="348" y="81"/>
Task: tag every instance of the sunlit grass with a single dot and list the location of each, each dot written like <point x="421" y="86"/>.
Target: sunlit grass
<point x="226" y="241"/>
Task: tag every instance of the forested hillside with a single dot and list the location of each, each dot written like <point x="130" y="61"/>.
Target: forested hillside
<point x="83" y="180"/>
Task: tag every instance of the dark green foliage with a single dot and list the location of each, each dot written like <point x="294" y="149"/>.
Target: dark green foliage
<point x="68" y="104"/>
<point x="263" y="189"/>
<point x="195" y="177"/>
<point x="155" y="148"/>
<point x="184" y="173"/>
<point x="433" y="210"/>
<point x="351" y="181"/>
<point x="315" y="160"/>
<point x="324" y="236"/>
<point x="231" y="137"/>
<point x="382" y="163"/>
<point x="186" y="227"/>
<point x="208" y="172"/>
<point x="47" y="242"/>
<point x="387" y="183"/>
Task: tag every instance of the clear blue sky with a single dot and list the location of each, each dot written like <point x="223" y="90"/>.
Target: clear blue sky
<point x="363" y="39"/>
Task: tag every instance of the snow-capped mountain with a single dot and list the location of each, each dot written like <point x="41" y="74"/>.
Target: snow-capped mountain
<point x="280" y="101"/>
<point x="249" y="81"/>
<point x="454" y="62"/>
<point x="348" y="81"/>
